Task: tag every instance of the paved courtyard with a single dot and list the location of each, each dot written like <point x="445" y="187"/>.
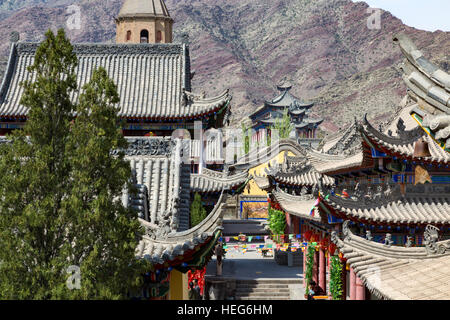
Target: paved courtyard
<point x="251" y="265"/>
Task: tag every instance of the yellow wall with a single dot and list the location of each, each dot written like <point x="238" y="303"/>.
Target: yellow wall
<point x="260" y="170"/>
<point x="178" y="285"/>
<point x="136" y="25"/>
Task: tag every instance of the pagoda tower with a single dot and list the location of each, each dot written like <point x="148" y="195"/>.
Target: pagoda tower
<point x="144" y="21"/>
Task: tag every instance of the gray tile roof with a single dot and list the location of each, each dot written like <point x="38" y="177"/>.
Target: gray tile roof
<point x="403" y="146"/>
<point x="429" y="86"/>
<point x="166" y="181"/>
<point x="215" y="181"/>
<point x="299" y="206"/>
<point x="136" y="8"/>
<point x="153" y="80"/>
<point x="259" y="155"/>
<point x="390" y="206"/>
<point x="297" y="173"/>
<point x="163" y="201"/>
<point x="399" y="273"/>
<point x="295" y="106"/>
<point x="329" y="164"/>
<point x="159" y="250"/>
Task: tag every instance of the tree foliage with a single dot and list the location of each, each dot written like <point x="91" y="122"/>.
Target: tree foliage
<point x="283" y="125"/>
<point x="310" y="251"/>
<point x="277" y="222"/>
<point x="336" y="285"/>
<point x="245" y="138"/>
<point x="60" y="188"/>
<point x="197" y="211"/>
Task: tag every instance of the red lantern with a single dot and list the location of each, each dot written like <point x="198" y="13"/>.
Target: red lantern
<point x="332" y="248"/>
<point x="324" y="243"/>
<point x="307" y="235"/>
<point x="198" y="274"/>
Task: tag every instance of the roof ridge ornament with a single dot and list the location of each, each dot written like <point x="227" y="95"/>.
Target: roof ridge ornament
<point x="430" y="239"/>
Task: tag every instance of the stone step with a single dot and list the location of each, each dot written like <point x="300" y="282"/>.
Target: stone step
<point x="269" y="281"/>
<point x="263" y="290"/>
<point x="262" y="298"/>
<point x="262" y="286"/>
<point x="263" y="294"/>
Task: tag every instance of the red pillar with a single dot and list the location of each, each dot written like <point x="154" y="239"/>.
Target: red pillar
<point x="352" y="284"/>
<point x="322" y="270"/>
<point x="344" y="281"/>
<point x="360" y="289"/>
<point x="304" y="265"/>
<point x="315" y="277"/>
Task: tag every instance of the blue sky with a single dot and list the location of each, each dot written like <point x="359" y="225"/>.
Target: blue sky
<point x="430" y="15"/>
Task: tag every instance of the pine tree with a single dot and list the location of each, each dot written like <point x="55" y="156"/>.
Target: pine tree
<point x="197" y="211"/>
<point x="52" y="216"/>
<point x="106" y="250"/>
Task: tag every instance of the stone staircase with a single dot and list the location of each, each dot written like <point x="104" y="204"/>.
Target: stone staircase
<point x="265" y="289"/>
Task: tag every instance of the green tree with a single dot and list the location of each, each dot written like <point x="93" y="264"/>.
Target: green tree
<point x="52" y="215"/>
<point x="106" y="250"/>
<point x="197" y="211"/>
<point x="336" y="286"/>
<point x="245" y="138"/>
<point x="283" y="125"/>
<point x="277" y="223"/>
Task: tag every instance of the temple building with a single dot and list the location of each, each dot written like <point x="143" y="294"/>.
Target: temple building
<point x="153" y="81"/>
<point x="386" y="214"/>
<point x="162" y="203"/>
<point x="161" y="117"/>
<point x="266" y="116"/>
<point x="146" y="21"/>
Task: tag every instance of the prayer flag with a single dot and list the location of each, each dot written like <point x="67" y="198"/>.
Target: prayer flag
<point x="250" y="238"/>
<point x="227" y="239"/>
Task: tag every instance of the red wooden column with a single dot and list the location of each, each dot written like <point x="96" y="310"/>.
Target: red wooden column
<point x="344" y="280"/>
<point x="360" y="289"/>
<point x="352" y="284"/>
<point x="322" y="270"/>
<point x="304" y="265"/>
<point x="315" y="274"/>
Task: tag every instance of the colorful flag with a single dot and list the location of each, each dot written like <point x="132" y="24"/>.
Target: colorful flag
<point x="227" y="239"/>
<point x="250" y="238"/>
<point x="265" y="238"/>
<point x="291" y="236"/>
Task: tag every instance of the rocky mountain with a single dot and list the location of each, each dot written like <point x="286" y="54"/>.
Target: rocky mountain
<point x="324" y="47"/>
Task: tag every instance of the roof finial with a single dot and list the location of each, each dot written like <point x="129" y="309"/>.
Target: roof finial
<point x="284" y="85"/>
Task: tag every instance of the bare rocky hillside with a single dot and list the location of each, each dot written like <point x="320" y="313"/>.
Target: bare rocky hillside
<point x="323" y="46"/>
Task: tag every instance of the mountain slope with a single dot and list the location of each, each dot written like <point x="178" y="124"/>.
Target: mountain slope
<point x="323" y="46"/>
